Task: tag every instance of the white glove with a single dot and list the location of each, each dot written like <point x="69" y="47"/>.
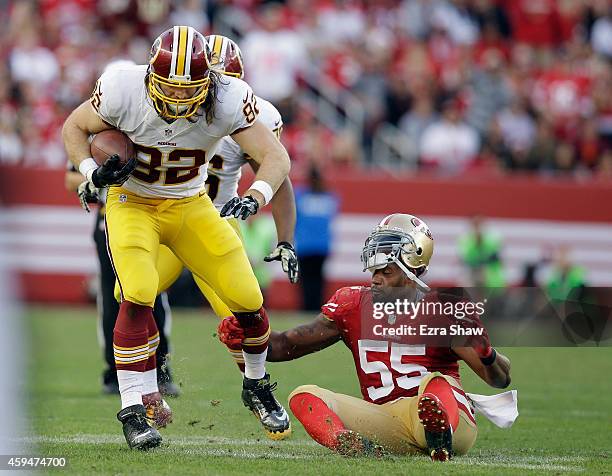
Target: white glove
<point x="285" y="253"/>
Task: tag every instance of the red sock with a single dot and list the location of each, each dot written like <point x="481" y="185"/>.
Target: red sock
<point x="322" y="424"/>
<point x="153" y="338"/>
<point x="440" y="387"/>
<point x="130" y="337"/>
<point x="256" y="330"/>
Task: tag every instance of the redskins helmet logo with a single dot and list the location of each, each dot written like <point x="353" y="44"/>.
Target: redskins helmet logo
<point x="155" y="50"/>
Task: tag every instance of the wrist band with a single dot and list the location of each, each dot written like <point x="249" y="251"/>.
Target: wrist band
<point x="264" y="188"/>
<point x="87" y="167"/>
<point x="490" y="359"/>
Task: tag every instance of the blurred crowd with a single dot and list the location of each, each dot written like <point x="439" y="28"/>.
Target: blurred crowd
<point x="516" y="85"/>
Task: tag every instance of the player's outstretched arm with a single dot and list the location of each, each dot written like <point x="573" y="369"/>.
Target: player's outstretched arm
<point x="81" y="123"/>
<point x="283" y="208"/>
<point x="260" y="143"/>
<point x="302" y="340"/>
<point x="496" y="373"/>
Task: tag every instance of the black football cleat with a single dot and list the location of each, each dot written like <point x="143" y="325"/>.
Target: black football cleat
<point x="257" y="396"/>
<point x="138" y="433"/>
<point x="351" y="444"/>
<point x="438" y="431"/>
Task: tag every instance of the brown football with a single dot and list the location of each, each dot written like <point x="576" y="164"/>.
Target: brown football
<point x="110" y="142"/>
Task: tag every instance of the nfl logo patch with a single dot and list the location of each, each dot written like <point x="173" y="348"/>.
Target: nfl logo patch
<point x="122" y="198"/>
<point x="167" y="132"/>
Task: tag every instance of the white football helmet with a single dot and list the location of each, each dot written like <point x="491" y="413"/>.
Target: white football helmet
<point x="401" y="239"/>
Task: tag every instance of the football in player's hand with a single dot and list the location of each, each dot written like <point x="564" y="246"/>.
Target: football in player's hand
<point x="110" y="142"/>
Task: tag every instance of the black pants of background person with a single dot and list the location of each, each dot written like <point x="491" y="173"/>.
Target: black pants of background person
<point x="109" y="309"/>
<point x="311" y="270"/>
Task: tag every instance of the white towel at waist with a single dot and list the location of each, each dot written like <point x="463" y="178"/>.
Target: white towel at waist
<point x="501" y="409"/>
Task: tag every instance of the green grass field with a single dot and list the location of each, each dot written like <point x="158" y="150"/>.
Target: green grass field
<point x="565" y="405"/>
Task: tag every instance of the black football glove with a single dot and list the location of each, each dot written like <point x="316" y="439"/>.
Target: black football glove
<point x="285" y="253"/>
<point x="112" y="172"/>
<point x="87" y="193"/>
<point x="240" y="207"/>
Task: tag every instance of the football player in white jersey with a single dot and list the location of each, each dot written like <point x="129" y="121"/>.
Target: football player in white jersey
<point x="224" y="172"/>
<point x="176" y="109"/>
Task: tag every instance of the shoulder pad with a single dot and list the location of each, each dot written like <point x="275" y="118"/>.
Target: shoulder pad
<point x="343" y="301"/>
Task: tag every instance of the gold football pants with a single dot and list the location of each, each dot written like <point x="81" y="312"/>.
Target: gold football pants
<point x="169" y="268"/>
<point x="394" y="425"/>
<point x="193" y="233"/>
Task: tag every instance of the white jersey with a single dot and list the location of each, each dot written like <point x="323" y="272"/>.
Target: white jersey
<point x="225" y="168"/>
<point x="172" y="157"/>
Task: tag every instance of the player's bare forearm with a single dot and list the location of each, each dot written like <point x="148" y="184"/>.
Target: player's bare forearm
<point x="72" y="180"/>
<point x="497" y="374"/>
<point x="283" y="208"/>
<point x="273" y="170"/>
<point x="302" y="340"/>
<point x="79" y="125"/>
<point x="259" y="143"/>
<point x="283" y="211"/>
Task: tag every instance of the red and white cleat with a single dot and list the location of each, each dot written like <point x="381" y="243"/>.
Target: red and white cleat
<point x="438" y="431"/>
<point x="159" y="413"/>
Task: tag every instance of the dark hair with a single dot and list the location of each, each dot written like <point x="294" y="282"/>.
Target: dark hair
<point x="216" y="79"/>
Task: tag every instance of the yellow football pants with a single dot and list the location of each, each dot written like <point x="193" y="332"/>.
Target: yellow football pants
<point x="169" y="268"/>
<point x="394" y="425"/>
<point x="193" y="232"/>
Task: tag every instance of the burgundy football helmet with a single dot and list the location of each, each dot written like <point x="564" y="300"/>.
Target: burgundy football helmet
<point x="226" y="56"/>
<point x="180" y="58"/>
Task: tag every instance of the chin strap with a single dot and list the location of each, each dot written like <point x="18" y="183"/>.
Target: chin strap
<point x="420" y="284"/>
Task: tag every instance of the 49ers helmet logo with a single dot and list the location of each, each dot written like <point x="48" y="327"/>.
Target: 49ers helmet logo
<point x="421" y="226"/>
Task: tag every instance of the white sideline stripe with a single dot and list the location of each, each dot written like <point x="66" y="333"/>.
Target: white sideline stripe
<point x="179" y="441"/>
<point x="535" y="467"/>
<point x="535" y="462"/>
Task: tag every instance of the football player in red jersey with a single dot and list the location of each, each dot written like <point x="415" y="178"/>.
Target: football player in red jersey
<point x="413" y="400"/>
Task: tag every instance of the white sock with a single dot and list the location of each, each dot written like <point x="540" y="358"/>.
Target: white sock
<point x="149" y="382"/>
<point x="255" y="364"/>
<point x="130" y="387"/>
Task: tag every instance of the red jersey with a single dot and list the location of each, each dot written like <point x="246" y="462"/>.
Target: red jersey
<point x="387" y="370"/>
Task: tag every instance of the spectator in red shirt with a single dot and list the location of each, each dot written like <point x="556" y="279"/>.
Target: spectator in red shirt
<point x="535" y="22"/>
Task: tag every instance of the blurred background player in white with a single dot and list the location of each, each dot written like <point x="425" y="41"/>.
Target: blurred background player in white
<point x="158" y="199"/>
<point x="224" y="173"/>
